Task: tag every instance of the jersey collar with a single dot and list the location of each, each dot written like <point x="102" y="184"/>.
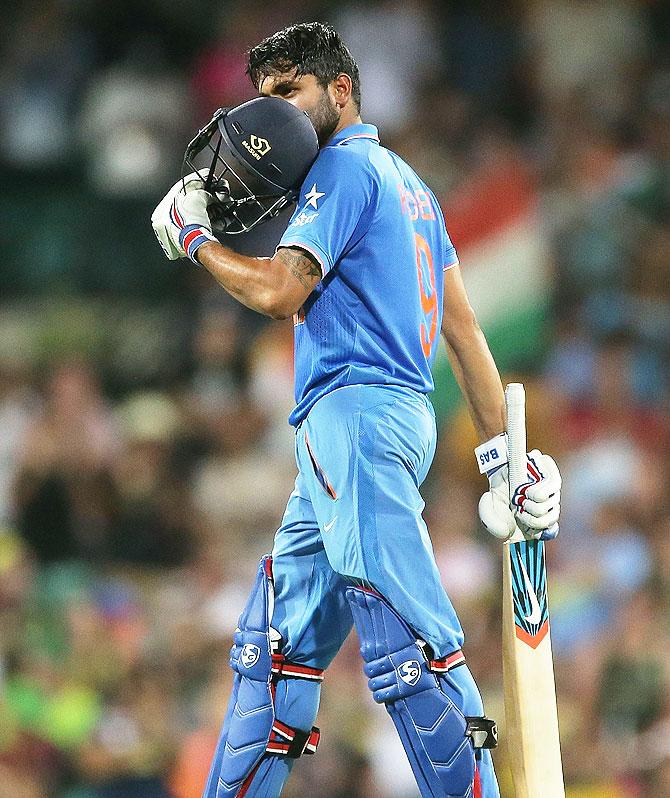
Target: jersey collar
<point x="354" y="132"/>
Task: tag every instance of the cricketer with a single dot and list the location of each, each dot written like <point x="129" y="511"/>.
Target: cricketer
<point x="369" y="274"/>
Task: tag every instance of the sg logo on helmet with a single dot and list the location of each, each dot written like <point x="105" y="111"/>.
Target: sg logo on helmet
<point x="410" y="672"/>
<point x="250" y="654"/>
<point x="257" y="146"/>
<point x="262" y="146"/>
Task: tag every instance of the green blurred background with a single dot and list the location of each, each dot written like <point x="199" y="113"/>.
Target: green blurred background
<point x="145" y="458"/>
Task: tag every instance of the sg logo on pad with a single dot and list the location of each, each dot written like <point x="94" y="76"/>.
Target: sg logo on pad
<point x="410" y="672"/>
<point x="250" y="654"/>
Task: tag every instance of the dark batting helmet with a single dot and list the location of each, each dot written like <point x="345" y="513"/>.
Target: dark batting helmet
<point x="254" y="158"/>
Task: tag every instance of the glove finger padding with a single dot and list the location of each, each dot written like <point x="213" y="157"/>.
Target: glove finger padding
<point x="538" y="510"/>
<point x="218" y="203"/>
<point x="550" y="483"/>
<point x="538" y="501"/>
<point x="540" y="522"/>
<point x="192" y="207"/>
<point x="222" y="207"/>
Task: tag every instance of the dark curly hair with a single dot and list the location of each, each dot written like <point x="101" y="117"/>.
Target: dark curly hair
<point x="311" y="48"/>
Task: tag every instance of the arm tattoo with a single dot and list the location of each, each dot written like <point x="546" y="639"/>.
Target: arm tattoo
<point x="301" y="265"/>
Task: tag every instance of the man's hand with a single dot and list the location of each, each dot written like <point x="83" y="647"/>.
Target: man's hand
<point x="181" y="220"/>
<point x="535" y="506"/>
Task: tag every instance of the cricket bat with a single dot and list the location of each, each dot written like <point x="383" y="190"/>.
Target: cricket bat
<point x="528" y="670"/>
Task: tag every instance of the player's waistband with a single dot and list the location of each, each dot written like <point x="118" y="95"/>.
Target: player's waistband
<point x="367" y="391"/>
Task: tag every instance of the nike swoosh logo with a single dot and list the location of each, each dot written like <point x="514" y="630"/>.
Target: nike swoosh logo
<point x="536" y="613"/>
<point x="327" y="527"/>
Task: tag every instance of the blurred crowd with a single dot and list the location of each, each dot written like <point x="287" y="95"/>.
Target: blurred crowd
<point x="145" y="457"/>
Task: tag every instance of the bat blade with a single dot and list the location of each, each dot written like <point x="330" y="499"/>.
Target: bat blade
<point x="528" y="672"/>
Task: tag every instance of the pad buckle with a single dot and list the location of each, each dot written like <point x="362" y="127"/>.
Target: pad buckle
<point x="482" y="731"/>
<point x="282" y="667"/>
<point x="293" y="743"/>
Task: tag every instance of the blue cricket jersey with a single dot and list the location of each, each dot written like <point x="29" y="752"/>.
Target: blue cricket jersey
<point x="378" y="232"/>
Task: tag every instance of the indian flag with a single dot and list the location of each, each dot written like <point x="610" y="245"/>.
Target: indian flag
<point x="494" y="224"/>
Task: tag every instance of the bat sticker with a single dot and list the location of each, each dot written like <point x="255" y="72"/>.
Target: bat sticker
<point x="529" y="589"/>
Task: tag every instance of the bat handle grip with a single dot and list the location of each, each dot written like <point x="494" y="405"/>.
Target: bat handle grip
<point x="515" y="403"/>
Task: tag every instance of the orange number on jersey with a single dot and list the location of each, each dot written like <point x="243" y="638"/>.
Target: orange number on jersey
<point x="429" y="296"/>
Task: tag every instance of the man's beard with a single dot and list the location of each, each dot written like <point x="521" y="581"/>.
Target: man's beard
<point x="324" y="117"/>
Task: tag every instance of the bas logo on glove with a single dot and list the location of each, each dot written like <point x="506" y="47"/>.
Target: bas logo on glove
<point x="492" y="454"/>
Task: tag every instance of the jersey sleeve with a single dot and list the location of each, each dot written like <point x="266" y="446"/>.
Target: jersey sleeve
<point x="450" y="257"/>
<point x="450" y="254"/>
<point x="334" y="208"/>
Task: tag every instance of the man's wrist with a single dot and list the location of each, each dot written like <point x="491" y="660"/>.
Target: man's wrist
<point x="207" y="247"/>
<point x="192" y="237"/>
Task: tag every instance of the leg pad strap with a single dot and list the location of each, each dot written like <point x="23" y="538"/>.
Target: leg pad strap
<point x="291" y="742"/>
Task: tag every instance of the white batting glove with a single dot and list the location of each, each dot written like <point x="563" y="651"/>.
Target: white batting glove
<point x="180" y="221"/>
<point x="535" y="506"/>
